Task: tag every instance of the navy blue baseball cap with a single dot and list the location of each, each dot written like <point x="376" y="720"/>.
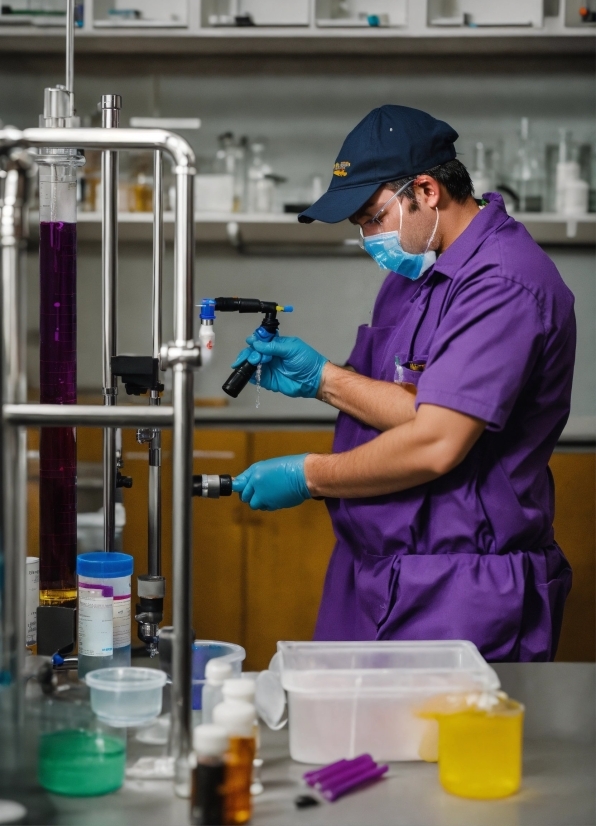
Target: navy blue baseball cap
<point x="392" y="142"/>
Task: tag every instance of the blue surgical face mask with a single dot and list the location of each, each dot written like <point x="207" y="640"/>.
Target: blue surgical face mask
<point x="386" y="249"/>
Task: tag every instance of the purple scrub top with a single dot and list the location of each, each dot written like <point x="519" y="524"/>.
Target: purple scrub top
<point x="489" y="331"/>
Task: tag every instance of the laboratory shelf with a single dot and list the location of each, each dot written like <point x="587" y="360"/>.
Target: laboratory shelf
<point x="295" y="42"/>
<point x="242" y="230"/>
<point x="561" y="33"/>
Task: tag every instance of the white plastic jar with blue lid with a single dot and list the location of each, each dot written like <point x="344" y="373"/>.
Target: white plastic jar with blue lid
<point x="113" y="570"/>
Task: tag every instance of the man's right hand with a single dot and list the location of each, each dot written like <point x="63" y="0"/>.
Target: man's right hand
<point x="288" y="365"/>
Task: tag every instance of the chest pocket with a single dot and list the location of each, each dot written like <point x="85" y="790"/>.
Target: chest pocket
<point x="407" y="370"/>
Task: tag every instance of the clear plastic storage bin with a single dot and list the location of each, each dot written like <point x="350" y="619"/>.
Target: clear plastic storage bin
<point x="346" y="698"/>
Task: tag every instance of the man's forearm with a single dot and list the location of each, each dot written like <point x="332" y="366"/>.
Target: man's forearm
<point x="408" y="455"/>
<point x="380" y="404"/>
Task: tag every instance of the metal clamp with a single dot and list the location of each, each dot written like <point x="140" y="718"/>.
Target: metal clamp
<point x="172" y="354"/>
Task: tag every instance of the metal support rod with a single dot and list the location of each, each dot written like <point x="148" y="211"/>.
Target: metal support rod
<point x="88" y="138"/>
<point x="13" y="231"/>
<point x="157" y="250"/>
<point x="87" y="415"/>
<point x="182" y="444"/>
<point x="154" y="509"/>
<point x="70" y="27"/>
<point x="154" y="551"/>
<point x="110" y="119"/>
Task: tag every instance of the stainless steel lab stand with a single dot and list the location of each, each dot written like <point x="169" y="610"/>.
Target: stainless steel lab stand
<point x="181" y="355"/>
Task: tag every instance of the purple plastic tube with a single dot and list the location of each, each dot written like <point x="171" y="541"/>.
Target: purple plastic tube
<point x="344" y="774"/>
<point x="317" y="776"/>
<point x="368" y="775"/>
<point x="58" y="385"/>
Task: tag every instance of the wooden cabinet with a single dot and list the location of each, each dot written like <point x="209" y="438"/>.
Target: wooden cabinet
<point x="575" y="521"/>
<point x="286" y="558"/>
<point x="258" y="576"/>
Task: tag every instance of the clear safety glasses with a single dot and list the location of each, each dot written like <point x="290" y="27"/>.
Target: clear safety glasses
<point x="375" y="219"/>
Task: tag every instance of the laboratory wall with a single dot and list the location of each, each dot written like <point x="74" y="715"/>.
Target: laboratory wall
<point x="304" y="107"/>
<point x="259" y="576"/>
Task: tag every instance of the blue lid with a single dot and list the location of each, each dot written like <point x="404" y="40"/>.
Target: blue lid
<point x="100" y="564"/>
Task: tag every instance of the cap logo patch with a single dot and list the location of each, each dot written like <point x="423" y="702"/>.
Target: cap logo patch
<point x="340" y="168"/>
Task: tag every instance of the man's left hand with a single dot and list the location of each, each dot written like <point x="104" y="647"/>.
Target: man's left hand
<point x="273" y="484"/>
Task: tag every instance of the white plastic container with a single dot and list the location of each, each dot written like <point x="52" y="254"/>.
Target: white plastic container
<point x="347" y="698"/>
<point x="126" y="696"/>
<point x="112" y="570"/>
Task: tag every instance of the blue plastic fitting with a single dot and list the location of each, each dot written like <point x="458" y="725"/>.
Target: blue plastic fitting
<point x="207" y="309"/>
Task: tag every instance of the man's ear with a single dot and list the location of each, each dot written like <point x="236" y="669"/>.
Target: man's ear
<point x="429" y="190"/>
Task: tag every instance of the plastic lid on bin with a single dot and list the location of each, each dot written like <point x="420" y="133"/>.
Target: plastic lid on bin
<point x="242" y="689"/>
<point x="210" y="740"/>
<point x="218" y="670"/>
<point x="237" y="718"/>
<point x="101" y="564"/>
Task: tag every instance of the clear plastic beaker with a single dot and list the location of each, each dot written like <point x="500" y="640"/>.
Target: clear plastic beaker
<point x="205" y="650"/>
<point x="124" y="697"/>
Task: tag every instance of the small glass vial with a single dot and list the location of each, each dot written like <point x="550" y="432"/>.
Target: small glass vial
<point x="208" y="769"/>
<point x="217" y="671"/>
<point x="238" y="719"/>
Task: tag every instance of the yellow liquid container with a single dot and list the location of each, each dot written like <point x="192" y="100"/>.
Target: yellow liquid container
<point x="480" y="744"/>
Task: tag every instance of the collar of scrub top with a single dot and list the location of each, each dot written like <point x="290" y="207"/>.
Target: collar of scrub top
<point x="488" y="220"/>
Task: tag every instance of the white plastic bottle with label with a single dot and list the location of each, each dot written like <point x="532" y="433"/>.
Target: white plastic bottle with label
<point x="114" y="570"/>
<point x="96" y="627"/>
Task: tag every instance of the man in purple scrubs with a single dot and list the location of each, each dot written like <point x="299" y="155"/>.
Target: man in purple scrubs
<point x="451" y="404"/>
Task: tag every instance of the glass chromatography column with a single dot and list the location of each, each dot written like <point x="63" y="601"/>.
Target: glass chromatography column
<point x="58" y="373"/>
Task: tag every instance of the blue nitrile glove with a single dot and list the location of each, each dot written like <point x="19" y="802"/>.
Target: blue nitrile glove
<point x="273" y="483"/>
<point x="289" y="365"/>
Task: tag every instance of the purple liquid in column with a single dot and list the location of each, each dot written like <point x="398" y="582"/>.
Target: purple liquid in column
<point x="58" y="385"/>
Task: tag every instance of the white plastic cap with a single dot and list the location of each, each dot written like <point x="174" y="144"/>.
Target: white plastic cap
<point x="243" y="689"/>
<point x="217" y="671"/>
<point x="210" y="740"/>
<point x="237" y="717"/>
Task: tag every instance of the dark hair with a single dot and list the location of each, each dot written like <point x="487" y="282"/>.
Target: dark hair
<point x="453" y="175"/>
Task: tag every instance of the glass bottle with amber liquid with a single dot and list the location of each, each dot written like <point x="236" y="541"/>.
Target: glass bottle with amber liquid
<point x="210" y="744"/>
<point x="238" y="719"/>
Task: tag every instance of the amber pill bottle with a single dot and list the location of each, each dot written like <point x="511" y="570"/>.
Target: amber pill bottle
<point x="238" y="720"/>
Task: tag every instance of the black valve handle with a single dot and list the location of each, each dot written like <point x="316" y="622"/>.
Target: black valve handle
<point x="212" y="486"/>
<point x="239" y="378"/>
